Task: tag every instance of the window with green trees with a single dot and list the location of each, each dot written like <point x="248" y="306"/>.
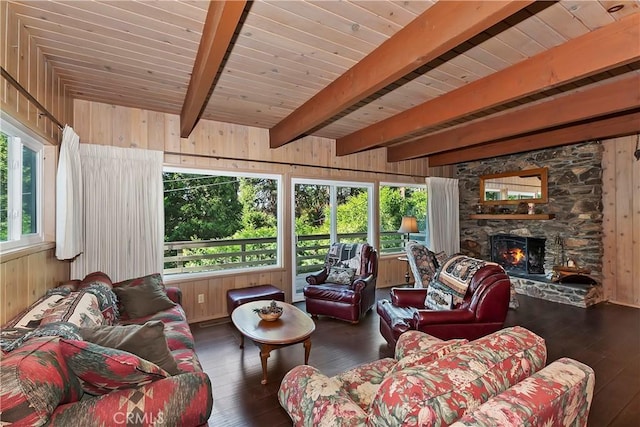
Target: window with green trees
<point x="20" y="174"/>
<point x="218" y="221"/>
<point x="396" y="201"/>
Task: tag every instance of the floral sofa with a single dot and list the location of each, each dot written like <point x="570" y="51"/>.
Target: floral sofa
<point x="499" y="379"/>
<point x="93" y="353"/>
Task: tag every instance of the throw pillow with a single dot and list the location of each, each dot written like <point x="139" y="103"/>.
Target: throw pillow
<point x="144" y="299"/>
<point x="102" y="369"/>
<point x="341" y="275"/>
<point x="421" y="358"/>
<point x="437" y="299"/>
<point x="147" y="341"/>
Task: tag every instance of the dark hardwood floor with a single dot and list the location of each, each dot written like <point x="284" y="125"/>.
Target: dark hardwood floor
<point x="606" y="337"/>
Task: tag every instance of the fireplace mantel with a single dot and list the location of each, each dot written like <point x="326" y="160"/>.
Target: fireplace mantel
<point x="513" y="216"/>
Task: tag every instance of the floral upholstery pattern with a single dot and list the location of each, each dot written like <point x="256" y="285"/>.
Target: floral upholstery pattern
<point x="468" y="382"/>
<point x="565" y="385"/>
<point x="423" y="263"/>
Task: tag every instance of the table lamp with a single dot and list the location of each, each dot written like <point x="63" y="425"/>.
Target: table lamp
<point x="408" y="225"/>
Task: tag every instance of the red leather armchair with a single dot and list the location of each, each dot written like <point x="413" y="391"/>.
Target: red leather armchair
<point x="345" y="301"/>
<point x="482" y="311"/>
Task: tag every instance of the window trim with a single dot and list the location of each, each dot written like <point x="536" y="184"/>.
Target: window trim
<point x="280" y="223"/>
<point x="20" y="136"/>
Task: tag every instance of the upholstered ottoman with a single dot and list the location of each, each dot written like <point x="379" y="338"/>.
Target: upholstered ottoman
<point x="236" y="297"/>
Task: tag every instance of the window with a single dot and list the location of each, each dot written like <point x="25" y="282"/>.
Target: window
<point x="218" y="221"/>
<point x="20" y="187"/>
<point x="396" y="201"/>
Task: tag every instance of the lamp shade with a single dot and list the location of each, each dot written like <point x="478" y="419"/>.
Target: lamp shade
<point x="409" y="225"/>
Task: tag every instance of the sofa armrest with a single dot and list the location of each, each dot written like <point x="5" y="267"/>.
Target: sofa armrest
<point x="408" y="297"/>
<point x="183" y="399"/>
<point x="562" y="391"/>
<point x="317" y="278"/>
<point x="175" y="294"/>
<point x="432" y="317"/>
<point x="309" y="396"/>
<point x="361" y="283"/>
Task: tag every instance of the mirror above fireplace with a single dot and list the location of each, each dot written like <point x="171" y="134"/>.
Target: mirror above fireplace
<point x="512" y="188"/>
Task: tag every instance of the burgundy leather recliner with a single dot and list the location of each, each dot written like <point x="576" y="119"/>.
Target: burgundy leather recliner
<point x="350" y="301"/>
<point x="482" y="311"/>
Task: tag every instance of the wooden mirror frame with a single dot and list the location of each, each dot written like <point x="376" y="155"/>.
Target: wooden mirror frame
<point x="539" y="172"/>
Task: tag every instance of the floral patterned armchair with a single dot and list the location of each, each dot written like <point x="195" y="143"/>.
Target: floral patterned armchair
<point x="499" y="379"/>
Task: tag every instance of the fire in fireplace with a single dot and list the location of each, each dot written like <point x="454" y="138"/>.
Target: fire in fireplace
<point x="518" y="254"/>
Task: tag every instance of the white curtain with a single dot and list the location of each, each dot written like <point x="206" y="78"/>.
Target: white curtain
<point x="124" y="212"/>
<point x="443" y="215"/>
<point x="69" y="203"/>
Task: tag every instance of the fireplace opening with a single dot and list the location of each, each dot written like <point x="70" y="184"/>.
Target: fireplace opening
<point x="517" y="254"/>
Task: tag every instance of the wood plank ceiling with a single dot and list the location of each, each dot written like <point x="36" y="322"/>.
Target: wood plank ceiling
<point x="448" y="81"/>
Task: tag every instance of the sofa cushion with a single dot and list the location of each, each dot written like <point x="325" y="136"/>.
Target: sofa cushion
<point x="143" y="296"/>
<point x="438" y="299"/>
<point x="103" y="369"/>
<point x="460" y="381"/>
<point x="34" y="380"/>
<point x="147" y="341"/>
<point x="423" y="263"/>
<point x="455" y="276"/>
<point x="423" y="358"/>
<point x="559" y="394"/>
<point x="363" y="381"/>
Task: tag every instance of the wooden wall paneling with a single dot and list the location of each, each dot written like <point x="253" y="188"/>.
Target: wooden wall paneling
<point x="155" y="130"/>
<point x="635" y="223"/>
<point x="609" y="234"/>
<point x="4" y="316"/>
<point x="624" y="288"/>
<point x="50" y="165"/>
<point x="22" y="73"/>
<point x="172" y="133"/>
<point x="11" y="54"/>
<point x="38" y="277"/>
<point x="121" y="132"/>
<point x="82" y="120"/>
<point x="33" y="77"/>
<point x="101" y="120"/>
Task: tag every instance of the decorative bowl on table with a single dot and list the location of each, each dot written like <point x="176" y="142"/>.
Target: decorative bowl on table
<point x="269" y="312"/>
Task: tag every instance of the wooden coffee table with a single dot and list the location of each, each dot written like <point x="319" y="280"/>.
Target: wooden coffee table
<point x="293" y="327"/>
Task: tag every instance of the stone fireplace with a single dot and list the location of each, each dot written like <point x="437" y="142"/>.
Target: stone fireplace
<point x="517" y="254"/>
<point x="574" y="198"/>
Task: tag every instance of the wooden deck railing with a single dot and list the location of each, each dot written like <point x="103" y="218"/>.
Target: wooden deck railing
<point x="214" y="255"/>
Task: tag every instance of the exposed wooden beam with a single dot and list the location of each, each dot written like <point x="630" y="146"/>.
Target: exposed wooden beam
<point x="617" y="95"/>
<point x="440" y="28"/>
<point x="626" y="124"/>
<point x="219" y="27"/>
<point x="608" y="47"/>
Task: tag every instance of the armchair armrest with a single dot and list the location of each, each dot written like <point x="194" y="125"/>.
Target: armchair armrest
<point x="307" y="395"/>
<point x="174" y="293"/>
<point x="408" y="297"/>
<point x="317" y="278"/>
<point x="432" y="317"/>
<point x="183" y="399"/>
<point x="362" y="282"/>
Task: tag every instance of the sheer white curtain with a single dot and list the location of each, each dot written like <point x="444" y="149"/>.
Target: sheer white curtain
<point x="443" y="215"/>
<point x="124" y="212"/>
<point x="69" y="224"/>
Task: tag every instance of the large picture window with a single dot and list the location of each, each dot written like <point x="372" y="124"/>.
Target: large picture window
<point x="20" y="187"/>
<point x="396" y="201"/>
<point x="216" y="221"/>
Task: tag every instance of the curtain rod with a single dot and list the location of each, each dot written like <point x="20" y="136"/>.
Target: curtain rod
<point x="30" y="97"/>
<point x="273" y="162"/>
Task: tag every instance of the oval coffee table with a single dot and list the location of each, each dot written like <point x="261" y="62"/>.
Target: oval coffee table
<point x="293" y="327"/>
